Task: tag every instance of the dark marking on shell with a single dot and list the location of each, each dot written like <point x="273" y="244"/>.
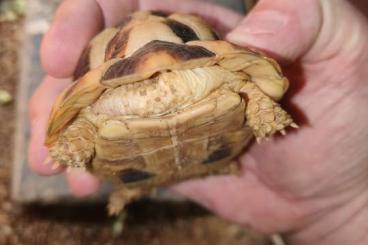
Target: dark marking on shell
<point x="134" y="175"/>
<point x="120" y="68"/>
<point x="83" y="65"/>
<point x="180" y="52"/>
<point x="215" y="36"/>
<point x="117" y="45"/>
<point x="219" y="154"/>
<point x="160" y="13"/>
<point x="183" y="31"/>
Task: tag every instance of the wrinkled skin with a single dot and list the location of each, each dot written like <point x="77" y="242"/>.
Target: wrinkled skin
<point x="312" y="184"/>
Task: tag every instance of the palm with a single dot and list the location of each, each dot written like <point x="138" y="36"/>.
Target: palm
<point x="316" y="159"/>
<point x="292" y="177"/>
<point x="324" y="164"/>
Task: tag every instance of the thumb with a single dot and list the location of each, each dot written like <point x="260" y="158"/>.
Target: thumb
<point x="284" y="28"/>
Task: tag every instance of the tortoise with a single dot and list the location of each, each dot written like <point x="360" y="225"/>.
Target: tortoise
<point x="158" y="99"/>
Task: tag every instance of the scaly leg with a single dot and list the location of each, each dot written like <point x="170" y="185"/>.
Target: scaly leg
<point x="75" y="146"/>
<point x="264" y="115"/>
<point x="120" y="197"/>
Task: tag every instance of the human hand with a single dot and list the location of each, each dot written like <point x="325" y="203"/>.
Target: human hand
<point x="309" y="183"/>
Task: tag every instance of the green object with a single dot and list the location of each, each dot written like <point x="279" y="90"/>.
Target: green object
<point x="11" y="10"/>
<point x="118" y="224"/>
<point x="5" y="97"/>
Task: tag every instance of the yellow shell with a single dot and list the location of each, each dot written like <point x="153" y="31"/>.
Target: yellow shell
<point x="159" y="99"/>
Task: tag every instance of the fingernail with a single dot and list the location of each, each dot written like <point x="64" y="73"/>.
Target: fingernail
<point x="82" y="183"/>
<point x="259" y="23"/>
<point x="56" y="165"/>
<point x="48" y="160"/>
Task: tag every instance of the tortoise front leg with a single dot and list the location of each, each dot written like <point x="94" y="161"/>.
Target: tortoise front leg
<point x="75" y="147"/>
<point x="264" y="115"/>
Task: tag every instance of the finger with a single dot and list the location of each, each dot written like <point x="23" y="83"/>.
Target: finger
<point x="220" y="18"/>
<point x="39" y="107"/>
<point x="244" y="200"/>
<point x="114" y="11"/>
<point x="280" y="27"/>
<point x="74" y="24"/>
<point x="81" y="183"/>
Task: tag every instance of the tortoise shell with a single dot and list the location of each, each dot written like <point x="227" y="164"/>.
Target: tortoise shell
<point x="158" y="99"/>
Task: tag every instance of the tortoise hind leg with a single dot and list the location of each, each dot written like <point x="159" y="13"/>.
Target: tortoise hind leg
<point x="75" y="147"/>
<point x="120" y="197"/>
<point x="263" y="114"/>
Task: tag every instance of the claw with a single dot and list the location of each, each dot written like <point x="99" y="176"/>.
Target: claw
<point x="259" y="140"/>
<point x="294" y="125"/>
<point x="68" y="170"/>
<point x="283" y="132"/>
